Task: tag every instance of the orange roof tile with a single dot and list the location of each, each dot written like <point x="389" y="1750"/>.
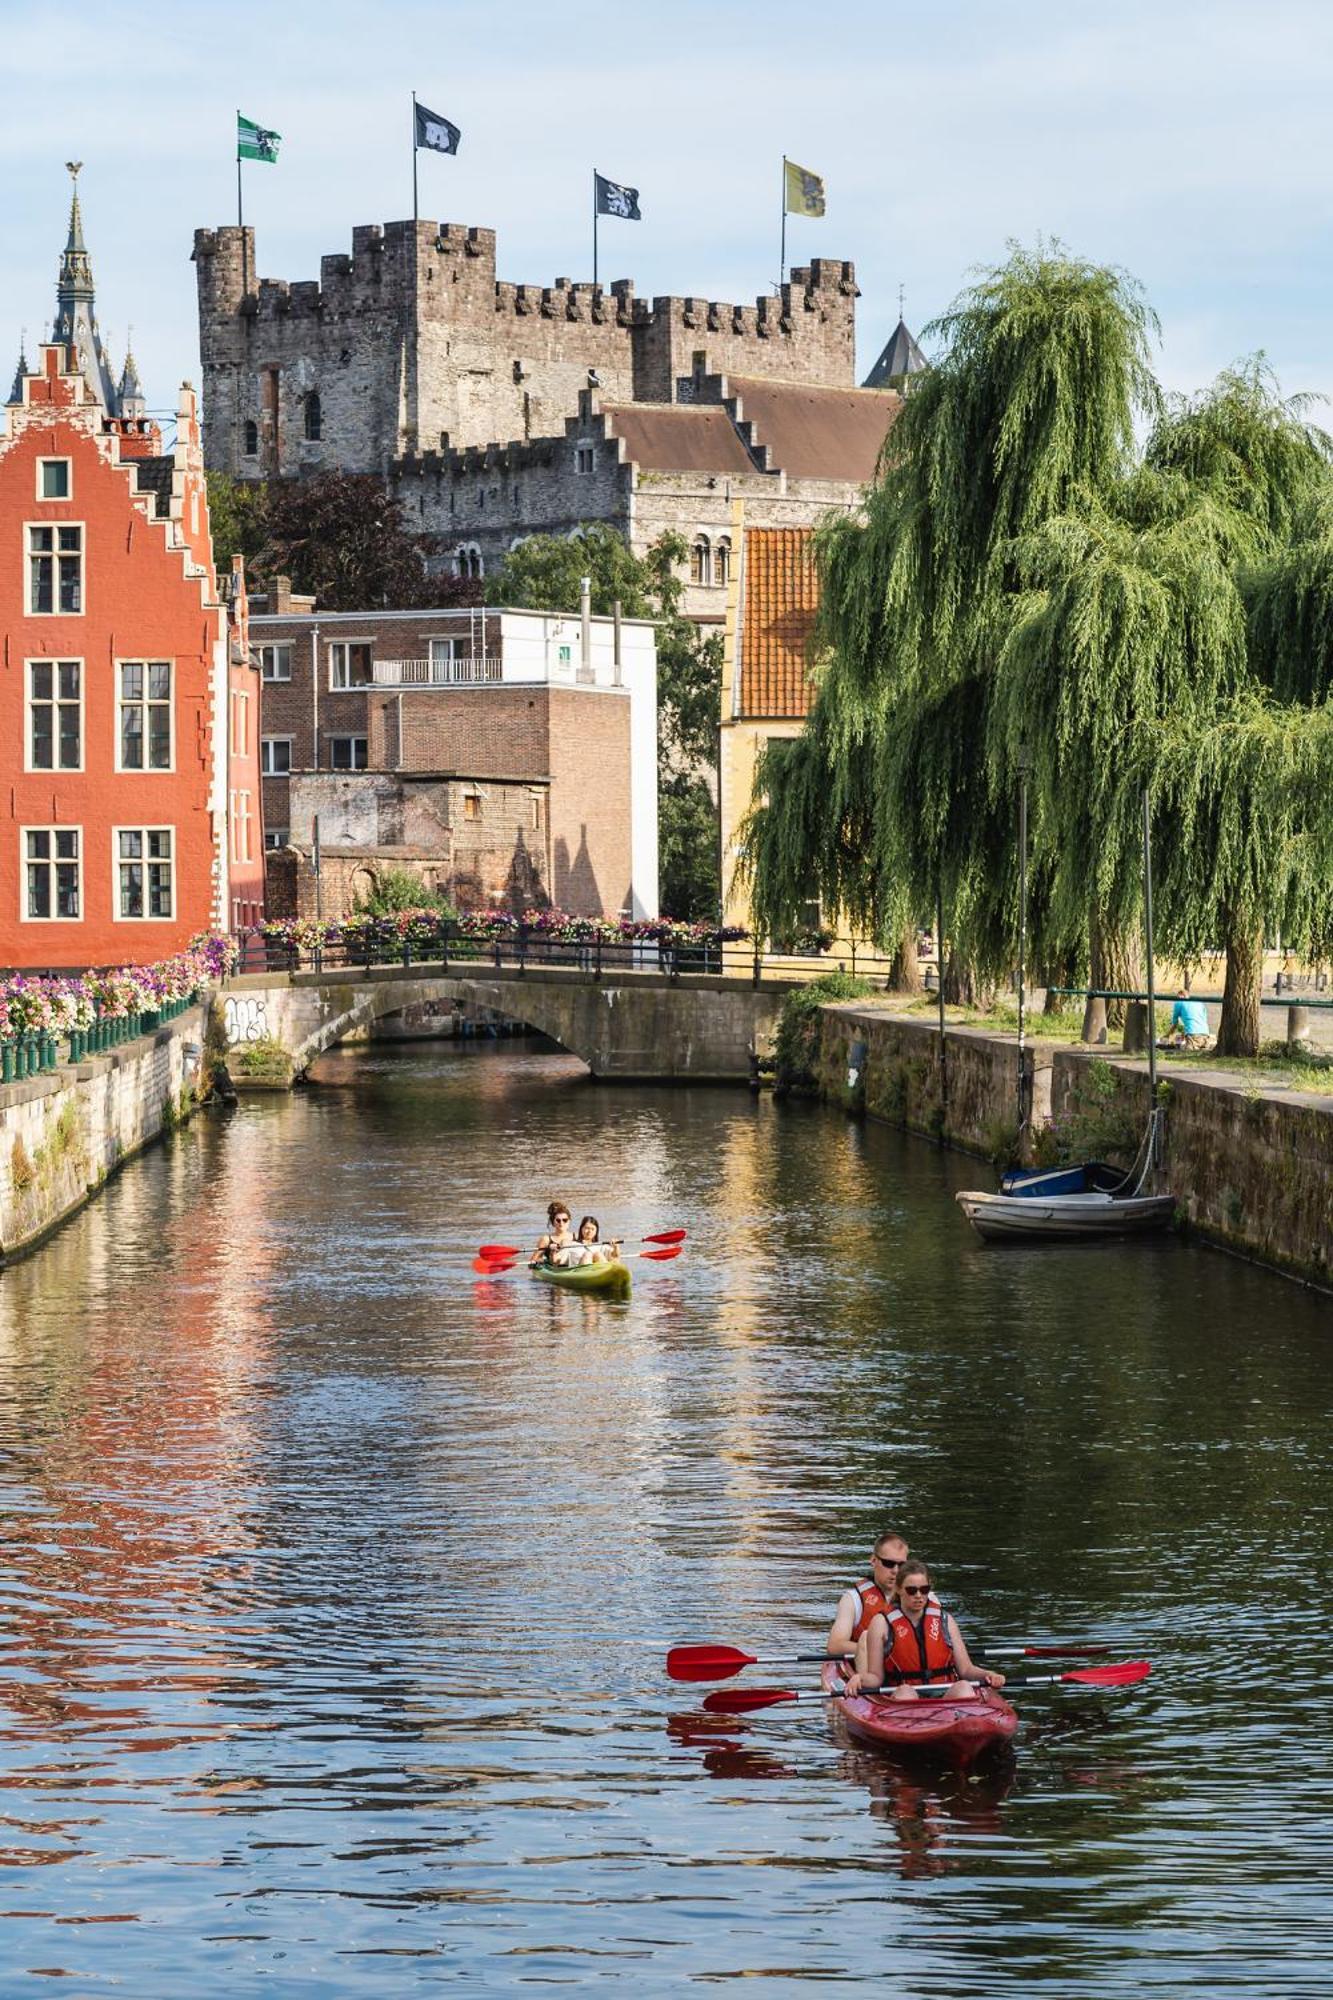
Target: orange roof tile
<point x="781" y="595"/>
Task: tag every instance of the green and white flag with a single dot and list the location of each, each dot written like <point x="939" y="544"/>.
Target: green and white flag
<point x="256" y="142"/>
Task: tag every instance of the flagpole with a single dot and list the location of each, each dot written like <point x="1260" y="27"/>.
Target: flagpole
<point x="782" y="254"/>
<point x="594" y="228"/>
<point x="240" y="219"/>
<point x="414" y="157"/>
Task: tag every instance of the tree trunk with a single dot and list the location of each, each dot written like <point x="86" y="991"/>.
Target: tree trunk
<point x="1063" y="973"/>
<point x="1238" y="1034"/>
<point x="1114" y="962"/>
<point x="905" y="971"/>
<point x="963" y="986"/>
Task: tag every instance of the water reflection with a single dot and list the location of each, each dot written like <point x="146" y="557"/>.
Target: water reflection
<point x="335" y="1580"/>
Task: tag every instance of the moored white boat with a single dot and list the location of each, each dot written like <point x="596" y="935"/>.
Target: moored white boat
<point x="1011" y="1218"/>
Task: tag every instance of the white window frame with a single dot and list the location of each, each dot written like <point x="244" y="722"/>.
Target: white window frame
<point x="352" y="737"/>
<point x="240" y="722"/>
<point x="54" y="770"/>
<point x="145" y="770"/>
<point x="240" y="819"/>
<point x="343" y="647"/>
<point x="25" y="862"/>
<point x="444" y="650"/>
<point x="275" y="837"/>
<point x="143" y="861"/>
<point x="54" y="527"/>
<point x="265" y="767"/>
<point x="49" y="499"/>
<point x="275" y="646"/>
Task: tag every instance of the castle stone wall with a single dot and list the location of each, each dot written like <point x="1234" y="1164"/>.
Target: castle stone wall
<point x="411" y="341"/>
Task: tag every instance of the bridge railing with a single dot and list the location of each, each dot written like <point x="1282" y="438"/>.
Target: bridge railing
<point x="673" y="950"/>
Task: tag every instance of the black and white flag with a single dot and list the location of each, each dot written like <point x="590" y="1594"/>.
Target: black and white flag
<point x="615" y="199"/>
<point x="439" y="134"/>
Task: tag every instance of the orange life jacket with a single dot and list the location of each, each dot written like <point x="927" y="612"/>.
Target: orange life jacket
<point x="919" y="1652"/>
<point x="870" y="1602"/>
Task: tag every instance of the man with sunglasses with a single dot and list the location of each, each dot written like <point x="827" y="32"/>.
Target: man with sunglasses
<point x="869" y="1597"/>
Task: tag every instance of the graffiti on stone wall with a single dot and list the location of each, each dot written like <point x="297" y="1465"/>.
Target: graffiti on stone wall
<point x="244" y="1018"/>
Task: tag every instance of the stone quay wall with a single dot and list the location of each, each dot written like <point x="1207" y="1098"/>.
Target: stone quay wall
<point x="1251" y="1169"/>
<point x="62" y="1134"/>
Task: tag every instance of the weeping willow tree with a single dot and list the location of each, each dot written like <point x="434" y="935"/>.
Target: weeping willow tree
<point x="1243" y="831"/>
<point x="1030" y="407"/>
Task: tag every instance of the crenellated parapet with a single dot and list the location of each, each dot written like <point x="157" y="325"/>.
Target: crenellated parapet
<point x="411" y="337"/>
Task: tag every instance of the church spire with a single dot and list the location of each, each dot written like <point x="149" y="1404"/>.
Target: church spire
<point x="16" y="393"/>
<point x="76" y="321"/>
<point x="130" y="394"/>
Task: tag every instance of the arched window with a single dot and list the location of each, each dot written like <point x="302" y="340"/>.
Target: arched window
<point x="701" y="567"/>
<point x="467" y="560"/>
<point x="252" y="440"/>
<point x="313" y="420"/>
<point x="722" y="561"/>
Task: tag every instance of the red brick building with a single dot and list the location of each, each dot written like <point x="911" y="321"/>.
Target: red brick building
<point x="129" y="711"/>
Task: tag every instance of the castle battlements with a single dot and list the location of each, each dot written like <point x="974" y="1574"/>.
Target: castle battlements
<point x="412" y="338"/>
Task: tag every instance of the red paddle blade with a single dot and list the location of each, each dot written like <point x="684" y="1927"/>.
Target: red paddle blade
<point x="667" y="1236"/>
<point x="661" y="1256"/>
<point x="706" y="1663"/>
<point x="495" y="1250"/>
<point x="1123" y="1674"/>
<point x="739" y="1701"/>
<point x="490" y="1267"/>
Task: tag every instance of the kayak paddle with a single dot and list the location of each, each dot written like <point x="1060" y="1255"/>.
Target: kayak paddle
<point x="667" y="1236"/>
<point x="496" y="1250"/>
<point x="738" y="1701"/>
<point x="492" y="1267"/>
<point x="719" y="1663"/>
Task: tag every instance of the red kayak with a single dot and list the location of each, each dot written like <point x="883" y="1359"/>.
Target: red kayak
<point x="959" y="1730"/>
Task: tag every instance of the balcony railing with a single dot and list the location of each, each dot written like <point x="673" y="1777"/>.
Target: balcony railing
<point x="458" y="672"/>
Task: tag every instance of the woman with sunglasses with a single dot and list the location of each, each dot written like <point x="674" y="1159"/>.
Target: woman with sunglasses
<point x="553" y="1247"/>
<point x="916" y="1641"/>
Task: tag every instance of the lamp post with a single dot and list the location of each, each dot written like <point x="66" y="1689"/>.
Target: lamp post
<point x="1024" y="767"/>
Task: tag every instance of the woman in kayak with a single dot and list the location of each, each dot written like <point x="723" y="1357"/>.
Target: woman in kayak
<point x="554" y="1246"/>
<point x="588" y="1247"/>
<point x="916" y="1640"/>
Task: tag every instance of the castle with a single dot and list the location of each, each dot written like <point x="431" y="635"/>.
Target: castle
<point x="497" y="410"/>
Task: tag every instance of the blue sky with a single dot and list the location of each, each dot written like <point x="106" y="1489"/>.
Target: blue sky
<point x="1188" y="142"/>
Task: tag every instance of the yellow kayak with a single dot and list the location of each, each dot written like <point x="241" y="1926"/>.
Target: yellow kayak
<point x="613" y="1280"/>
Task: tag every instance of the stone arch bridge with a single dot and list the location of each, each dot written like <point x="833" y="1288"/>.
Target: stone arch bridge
<point x="628" y="1025"/>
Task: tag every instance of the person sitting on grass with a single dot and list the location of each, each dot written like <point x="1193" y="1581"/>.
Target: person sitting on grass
<point x="1189" y="1024"/>
<point x="914" y="1642"/>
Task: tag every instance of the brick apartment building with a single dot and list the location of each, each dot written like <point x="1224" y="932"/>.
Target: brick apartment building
<point x="507" y="758"/>
<point x="128" y="704"/>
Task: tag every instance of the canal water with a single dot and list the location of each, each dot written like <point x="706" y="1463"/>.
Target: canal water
<point x="336" y="1582"/>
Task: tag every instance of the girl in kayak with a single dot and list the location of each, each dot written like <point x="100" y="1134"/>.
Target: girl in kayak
<point x="914" y="1641"/>
<point x="554" y="1246"/>
<point x="588" y="1247"/>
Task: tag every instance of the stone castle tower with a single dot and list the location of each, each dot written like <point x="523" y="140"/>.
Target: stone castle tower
<point x="412" y="343"/>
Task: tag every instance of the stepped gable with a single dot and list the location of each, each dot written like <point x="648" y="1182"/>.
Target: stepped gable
<point x="780" y="596"/>
<point x="669" y="437"/>
<point x="812" y="433"/>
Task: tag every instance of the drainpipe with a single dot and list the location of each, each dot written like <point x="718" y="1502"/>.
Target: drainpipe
<point x="314" y="694"/>
<point x="617" y="677"/>
<point x="585" y="621"/>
